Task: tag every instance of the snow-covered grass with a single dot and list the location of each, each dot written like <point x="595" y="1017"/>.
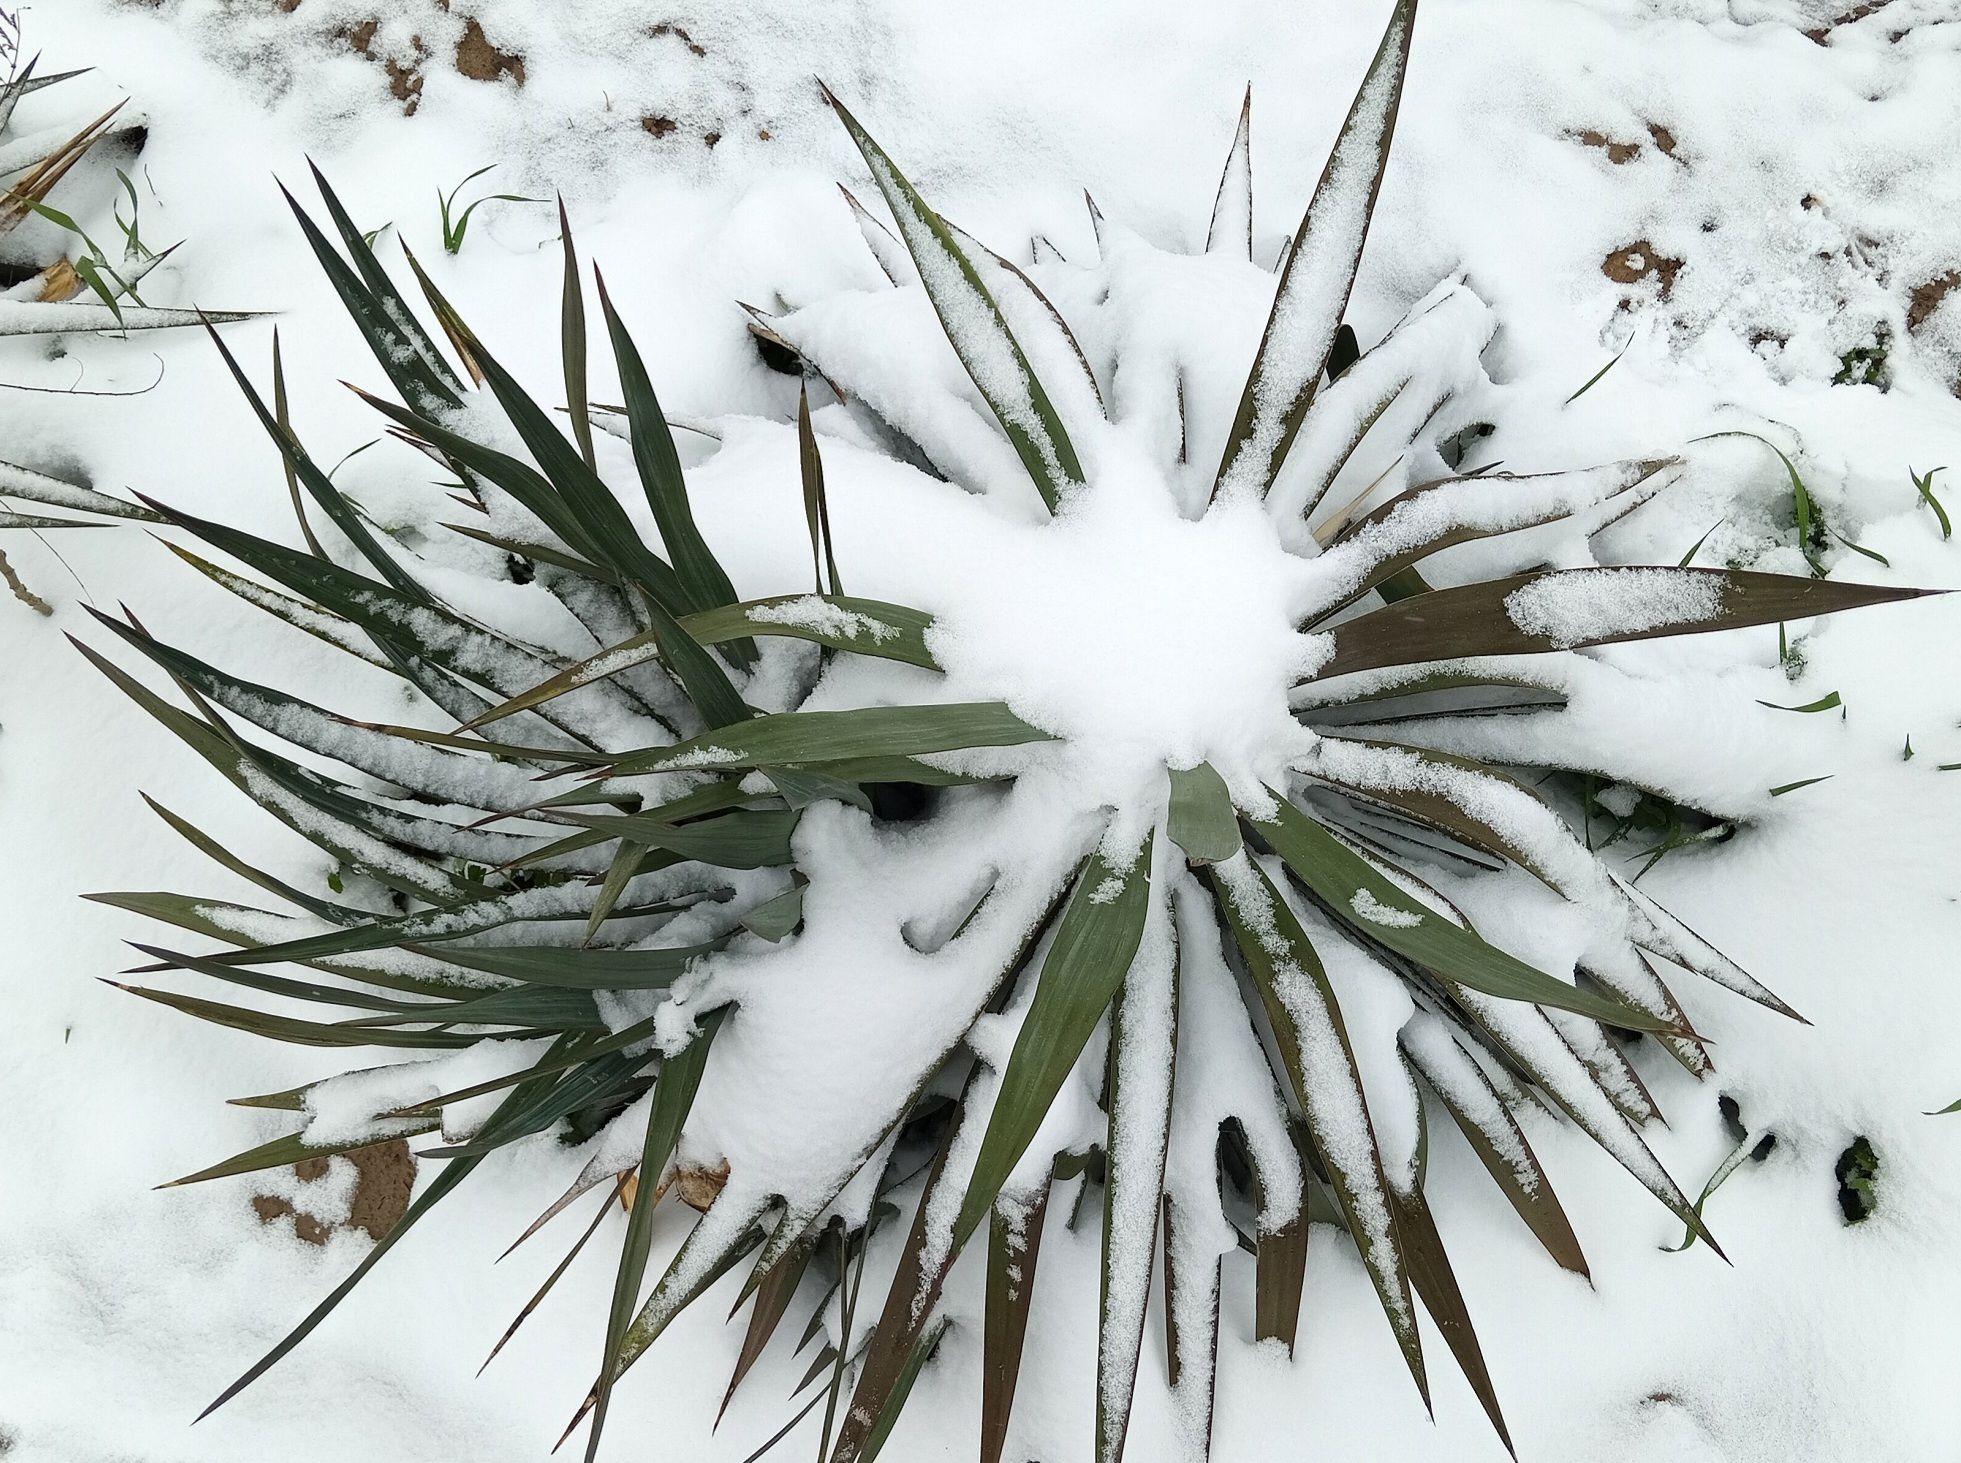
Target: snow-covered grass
<point x="124" y="1310"/>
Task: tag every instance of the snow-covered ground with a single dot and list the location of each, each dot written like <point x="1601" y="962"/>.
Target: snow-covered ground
<point x="1748" y="203"/>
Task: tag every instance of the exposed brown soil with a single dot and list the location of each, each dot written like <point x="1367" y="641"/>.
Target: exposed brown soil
<point x="1926" y="298"/>
<point x="384" y="1178"/>
<point x="1857" y="13"/>
<point x="477" y="59"/>
<point x="658" y="126"/>
<point x="1633" y="263"/>
<point x="679" y="34"/>
<point x="1619" y="152"/>
<point x="404" y="81"/>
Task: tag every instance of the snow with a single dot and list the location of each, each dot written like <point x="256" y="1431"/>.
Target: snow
<point x="812" y="612"/>
<point x="123" y="1311"/>
<point x="1579" y="606"/>
<point x="1377" y="913"/>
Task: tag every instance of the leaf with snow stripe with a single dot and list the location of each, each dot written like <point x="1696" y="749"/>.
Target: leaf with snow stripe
<point x="1191" y="1322"/>
<point x="1318" y="275"/>
<point x="309" y="992"/>
<point x="1527" y="1039"/>
<point x="443" y="776"/>
<point x="1434" y="516"/>
<point x="798" y="738"/>
<point x="1493" y="1134"/>
<point x="37" y="521"/>
<point x="909" y="1300"/>
<point x="39" y="487"/>
<point x="1014" y="1245"/>
<point x="322" y="624"/>
<point x="893" y="261"/>
<point x="1468" y="801"/>
<point x="1569" y="609"/>
<point x="1671" y="939"/>
<point x="434" y="926"/>
<point x="416" y="629"/>
<point x="219" y="918"/>
<point x="1307" y="1027"/>
<point x="211" y="848"/>
<point x="382" y="288"/>
<point x="1143" y="1062"/>
<point x="1095" y="942"/>
<point x="1035" y="320"/>
<point x="974" y="325"/>
<point x="33" y="317"/>
<point x="1366" y="902"/>
<point x="773" y="1293"/>
<point x="305" y="802"/>
<point x="865" y="626"/>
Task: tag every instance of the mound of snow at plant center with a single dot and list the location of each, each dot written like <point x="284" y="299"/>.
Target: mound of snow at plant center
<point x="122" y="1310"/>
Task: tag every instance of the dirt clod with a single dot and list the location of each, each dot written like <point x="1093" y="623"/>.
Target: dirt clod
<point x="1617" y="152"/>
<point x="384" y="1176"/>
<point x="1926" y="298"/>
<point x="1633" y="263"/>
<point x="679" y="34"/>
<point x="477" y="59"/>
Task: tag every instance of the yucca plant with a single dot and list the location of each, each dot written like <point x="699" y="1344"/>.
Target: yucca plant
<point x="878" y="944"/>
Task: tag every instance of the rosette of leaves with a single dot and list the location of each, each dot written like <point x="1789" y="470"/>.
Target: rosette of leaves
<point x="1145" y="1011"/>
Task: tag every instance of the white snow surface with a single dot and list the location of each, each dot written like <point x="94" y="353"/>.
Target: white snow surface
<point x="1801" y="189"/>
